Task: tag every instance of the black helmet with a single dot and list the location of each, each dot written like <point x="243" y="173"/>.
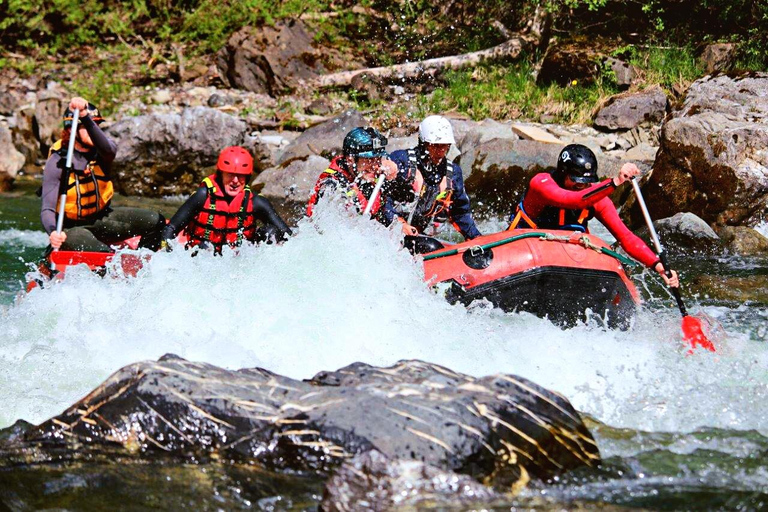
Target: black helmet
<point x="365" y="143"/>
<point x="92" y="111"/>
<point x="578" y="162"/>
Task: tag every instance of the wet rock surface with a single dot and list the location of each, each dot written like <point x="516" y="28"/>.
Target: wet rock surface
<point x="684" y="231"/>
<point x="294" y="181"/>
<point x="744" y="241"/>
<point x="502" y="428"/>
<point x="324" y="139"/>
<point x="371" y="481"/>
<point x="713" y="160"/>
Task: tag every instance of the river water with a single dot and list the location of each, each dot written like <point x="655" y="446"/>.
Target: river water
<point x="676" y="431"/>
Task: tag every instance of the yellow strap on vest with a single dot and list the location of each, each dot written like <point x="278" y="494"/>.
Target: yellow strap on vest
<point x="210" y="185"/>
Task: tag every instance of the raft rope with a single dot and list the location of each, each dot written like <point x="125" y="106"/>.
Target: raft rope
<point x="583" y="240"/>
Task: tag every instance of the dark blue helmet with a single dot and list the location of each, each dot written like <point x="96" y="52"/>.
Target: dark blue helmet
<point x="579" y="163"/>
<point x="365" y="143"/>
<point x="93" y="111"/>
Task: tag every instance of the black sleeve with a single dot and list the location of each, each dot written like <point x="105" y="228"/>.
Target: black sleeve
<point x="263" y="211"/>
<point x="105" y="147"/>
<point x="185" y="214"/>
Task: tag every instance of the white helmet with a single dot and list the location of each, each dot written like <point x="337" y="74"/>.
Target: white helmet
<point x="436" y="130"/>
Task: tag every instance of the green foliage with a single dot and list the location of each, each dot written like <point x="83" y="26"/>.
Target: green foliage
<point x="103" y="84"/>
<point x="503" y="92"/>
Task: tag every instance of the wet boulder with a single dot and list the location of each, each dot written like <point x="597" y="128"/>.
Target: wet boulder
<point x="684" y="231"/>
<point x="629" y="110"/>
<point x="49" y="110"/>
<point x="324" y="139"/>
<point x="372" y="481"/>
<point x="469" y="133"/>
<point x="713" y="160"/>
<point x="502" y="428"/>
<point x="168" y="154"/>
<point x="270" y="59"/>
<point x="744" y="241"/>
<point x="295" y="180"/>
<point x="11" y="161"/>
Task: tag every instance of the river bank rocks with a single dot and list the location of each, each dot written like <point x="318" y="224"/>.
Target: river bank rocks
<point x="713" y="160"/>
<point x="630" y="110"/>
<point x="11" y="160"/>
<point x="169" y="154"/>
<point x="503" y="429"/>
<point x="684" y="232"/>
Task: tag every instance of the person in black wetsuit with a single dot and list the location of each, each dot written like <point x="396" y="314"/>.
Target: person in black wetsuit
<point x="224" y="210"/>
<point x="90" y="222"/>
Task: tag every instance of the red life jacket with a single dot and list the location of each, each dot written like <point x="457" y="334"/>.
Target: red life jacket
<point x="345" y="183"/>
<point x="221" y="221"/>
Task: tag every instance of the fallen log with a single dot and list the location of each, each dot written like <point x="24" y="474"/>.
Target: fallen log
<point x="508" y="49"/>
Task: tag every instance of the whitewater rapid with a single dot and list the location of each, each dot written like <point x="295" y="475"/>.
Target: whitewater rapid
<point x="342" y="290"/>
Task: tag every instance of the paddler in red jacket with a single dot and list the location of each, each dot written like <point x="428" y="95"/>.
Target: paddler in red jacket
<point x="571" y="195"/>
<point x="224" y="210"/>
<point x="354" y="174"/>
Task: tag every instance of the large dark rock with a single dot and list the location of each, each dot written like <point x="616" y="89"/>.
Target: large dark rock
<point x="502" y="428"/>
<point x="629" y="110"/>
<point x="324" y="139"/>
<point x="270" y="59"/>
<point x="497" y="172"/>
<point x="713" y="160"/>
<point x="11" y="161"/>
<point x="744" y="240"/>
<point x="719" y="57"/>
<point x="371" y="481"/>
<point x="563" y="64"/>
<point x="168" y="154"/>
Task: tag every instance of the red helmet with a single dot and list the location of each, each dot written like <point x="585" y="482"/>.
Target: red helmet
<point x="236" y="160"/>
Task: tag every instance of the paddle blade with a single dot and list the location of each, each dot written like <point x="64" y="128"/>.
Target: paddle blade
<point x="694" y="336"/>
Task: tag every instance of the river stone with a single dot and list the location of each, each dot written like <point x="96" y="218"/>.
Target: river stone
<point x="684" y="231"/>
<point x="371" y="481"/>
<point x="497" y="172"/>
<point x="719" y="57"/>
<point x="500" y="427"/>
<point x="170" y="154"/>
<point x="324" y="139"/>
<point x="713" y="159"/>
<point x="469" y="134"/>
<point x="626" y="74"/>
<point x="744" y="240"/>
<point x="11" y="161"/>
<point x="294" y="180"/>
<point x="629" y="110"/>
<point x="270" y="59"/>
<point x="565" y="63"/>
<point x="49" y="111"/>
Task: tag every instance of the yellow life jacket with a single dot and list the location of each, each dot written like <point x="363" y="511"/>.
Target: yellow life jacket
<point x="88" y="191"/>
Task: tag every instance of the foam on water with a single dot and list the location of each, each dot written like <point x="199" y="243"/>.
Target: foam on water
<point x="23" y="237"/>
<point x="342" y="291"/>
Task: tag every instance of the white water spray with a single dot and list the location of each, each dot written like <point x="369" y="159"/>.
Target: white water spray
<point x="342" y="290"/>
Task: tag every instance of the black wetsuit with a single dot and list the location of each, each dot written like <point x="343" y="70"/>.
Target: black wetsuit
<point x="274" y="227"/>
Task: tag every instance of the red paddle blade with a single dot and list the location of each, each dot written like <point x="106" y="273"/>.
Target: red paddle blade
<point x="693" y="334"/>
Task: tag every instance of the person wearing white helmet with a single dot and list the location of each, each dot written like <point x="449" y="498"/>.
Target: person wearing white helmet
<point x="429" y="189"/>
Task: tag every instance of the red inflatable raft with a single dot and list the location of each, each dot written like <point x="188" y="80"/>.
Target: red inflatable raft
<point x="55" y="264"/>
<point x="559" y="275"/>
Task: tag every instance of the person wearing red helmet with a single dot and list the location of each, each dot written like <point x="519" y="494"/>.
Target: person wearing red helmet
<point x="91" y="223"/>
<point x="224" y="210"/>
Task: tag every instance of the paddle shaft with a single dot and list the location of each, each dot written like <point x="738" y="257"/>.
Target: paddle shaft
<point x="659" y="249"/>
<point x="65" y="174"/>
<point x="374" y="194"/>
